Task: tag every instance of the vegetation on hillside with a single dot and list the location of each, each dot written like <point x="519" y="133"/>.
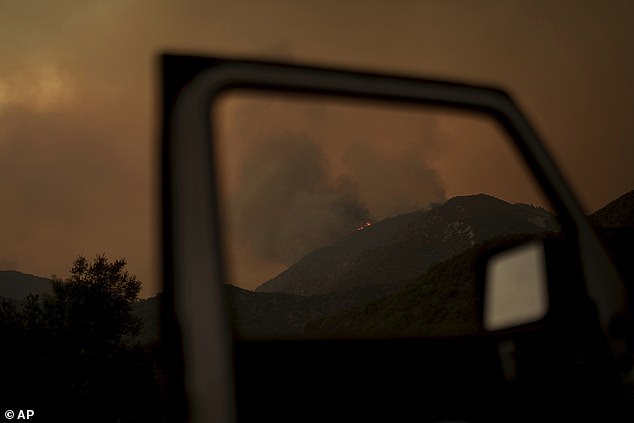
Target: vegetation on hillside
<point x="444" y="301"/>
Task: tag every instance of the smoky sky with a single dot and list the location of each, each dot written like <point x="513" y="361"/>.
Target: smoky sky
<point x="79" y="102"/>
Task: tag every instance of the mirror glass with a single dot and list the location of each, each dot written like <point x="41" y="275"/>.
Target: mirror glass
<point x="516" y="290"/>
<point x="362" y="219"/>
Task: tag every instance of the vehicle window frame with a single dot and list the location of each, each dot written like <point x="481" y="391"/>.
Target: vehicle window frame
<point x="196" y="327"/>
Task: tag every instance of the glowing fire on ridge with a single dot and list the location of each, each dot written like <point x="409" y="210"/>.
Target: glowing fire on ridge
<point x="364" y="226"/>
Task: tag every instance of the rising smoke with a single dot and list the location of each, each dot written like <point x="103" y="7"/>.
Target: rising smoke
<point x="394" y="184"/>
<point x="289" y="204"/>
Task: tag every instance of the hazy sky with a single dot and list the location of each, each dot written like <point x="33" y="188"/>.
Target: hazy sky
<point x="78" y="95"/>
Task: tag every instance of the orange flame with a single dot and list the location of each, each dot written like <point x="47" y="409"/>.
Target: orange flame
<point x="364" y="226"/>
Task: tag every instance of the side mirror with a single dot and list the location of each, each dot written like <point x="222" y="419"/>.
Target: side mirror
<point x="515" y="287"/>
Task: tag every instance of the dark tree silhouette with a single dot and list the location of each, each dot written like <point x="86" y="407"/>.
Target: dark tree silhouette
<point x="73" y="355"/>
<point x="94" y="304"/>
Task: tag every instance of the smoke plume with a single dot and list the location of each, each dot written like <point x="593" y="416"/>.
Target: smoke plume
<point x="289" y="204"/>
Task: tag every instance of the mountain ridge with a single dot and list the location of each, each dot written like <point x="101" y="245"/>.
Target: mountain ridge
<point x="420" y="308"/>
<point x="617" y="213"/>
<point x="403" y="247"/>
<point x="16" y="285"/>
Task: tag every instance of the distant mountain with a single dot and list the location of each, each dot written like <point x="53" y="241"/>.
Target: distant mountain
<point x="617" y="213"/>
<point x="616" y="223"/>
<point x="422" y="307"/>
<point x="403" y="247"/>
<point x="16" y="285"/>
